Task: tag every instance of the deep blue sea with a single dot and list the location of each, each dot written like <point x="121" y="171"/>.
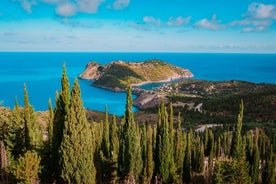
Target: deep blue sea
<point x="41" y="71"/>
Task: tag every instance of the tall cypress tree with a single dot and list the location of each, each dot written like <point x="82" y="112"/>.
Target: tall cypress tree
<point x="114" y="150"/>
<point x="269" y="167"/>
<point x="237" y="146"/>
<point x="60" y="112"/>
<point x="186" y="176"/>
<point x="179" y="148"/>
<point x="107" y="162"/>
<point x="50" y="123"/>
<point x="76" y="149"/>
<point x="130" y="158"/>
<point x="105" y="147"/>
<point x="165" y="168"/>
<point x="14" y="138"/>
<point x="254" y="170"/>
<point x="240" y="165"/>
<point x="32" y="132"/>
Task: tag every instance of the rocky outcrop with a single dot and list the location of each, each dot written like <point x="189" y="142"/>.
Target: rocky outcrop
<point x="92" y="71"/>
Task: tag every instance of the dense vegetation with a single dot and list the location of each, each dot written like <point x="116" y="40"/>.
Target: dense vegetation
<point x="71" y="149"/>
<point x="220" y="101"/>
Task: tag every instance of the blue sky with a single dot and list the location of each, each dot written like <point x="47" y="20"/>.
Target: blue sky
<point x="138" y="25"/>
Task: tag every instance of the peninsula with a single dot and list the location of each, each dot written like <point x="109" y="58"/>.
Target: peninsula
<point x="114" y="76"/>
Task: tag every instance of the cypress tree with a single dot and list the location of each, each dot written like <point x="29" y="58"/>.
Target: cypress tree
<point x="186" y="177"/>
<point x="27" y="169"/>
<point x="60" y="112"/>
<point x="144" y="153"/>
<point x="237" y="146"/>
<point x="76" y="149"/>
<point x="217" y="177"/>
<point x="105" y="147"/>
<point x="130" y="158"/>
<point x="164" y="148"/>
<point x="269" y="167"/>
<point x="50" y="124"/>
<point x="254" y="170"/>
<point x="206" y="141"/>
<point x="218" y="151"/>
<point x="32" y="135"/>
<point x="149" y="160"/>
<point x="148" y="167"/>
<point x="14" y="137"/>
<point x="240" y="165"/>
<point x="197" y="156"/>
<point x="114" y="149"/>
<point x="179" y="148"/>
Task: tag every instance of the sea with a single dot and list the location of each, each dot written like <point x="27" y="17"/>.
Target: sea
<point x="41" y="72"/>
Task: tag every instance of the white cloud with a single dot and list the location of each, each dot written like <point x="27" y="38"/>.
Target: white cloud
<point x="213" y="24"/>
<point x="66" y="9"/>
<point x="261" y="11"/>
<point x="27" y="4"/>
<point x="178" y="21"/>
<point x="120" y="4"/>
<point x="253" y="29"/>
<point x="257" y="18"/>
<point x="89" y="6"/>
<point x="152" y="20"/>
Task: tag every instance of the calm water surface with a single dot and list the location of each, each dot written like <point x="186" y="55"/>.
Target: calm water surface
<point x="42" y="71"/>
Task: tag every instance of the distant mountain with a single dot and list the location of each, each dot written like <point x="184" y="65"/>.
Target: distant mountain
<point x="114" y="76"/>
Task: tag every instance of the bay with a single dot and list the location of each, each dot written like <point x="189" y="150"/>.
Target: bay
<point x="41" y="71"/>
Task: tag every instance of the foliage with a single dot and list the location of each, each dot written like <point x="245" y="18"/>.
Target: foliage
<point x="118" y="150"/>
<point x="130" y="158"/>
<point x="27" y="169"/>
<point x="76" y="149"/>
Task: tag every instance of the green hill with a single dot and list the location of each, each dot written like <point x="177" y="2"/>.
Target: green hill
<point x="114" y="76"/>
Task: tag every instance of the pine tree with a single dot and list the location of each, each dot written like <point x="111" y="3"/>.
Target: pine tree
<point x="130" y="158"/>
<point x="76" y="149"/>
<point x="26" y="172"/>
<point x="164" y="148"/>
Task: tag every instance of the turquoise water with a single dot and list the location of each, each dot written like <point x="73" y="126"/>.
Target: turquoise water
<point x="42" y="71"/>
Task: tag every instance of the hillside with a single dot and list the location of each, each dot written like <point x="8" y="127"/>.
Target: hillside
<point x="114" y="76"/>
<point x="217" y="101"/>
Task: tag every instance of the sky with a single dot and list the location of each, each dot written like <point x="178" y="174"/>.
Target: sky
<point x="238" y="26"/>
